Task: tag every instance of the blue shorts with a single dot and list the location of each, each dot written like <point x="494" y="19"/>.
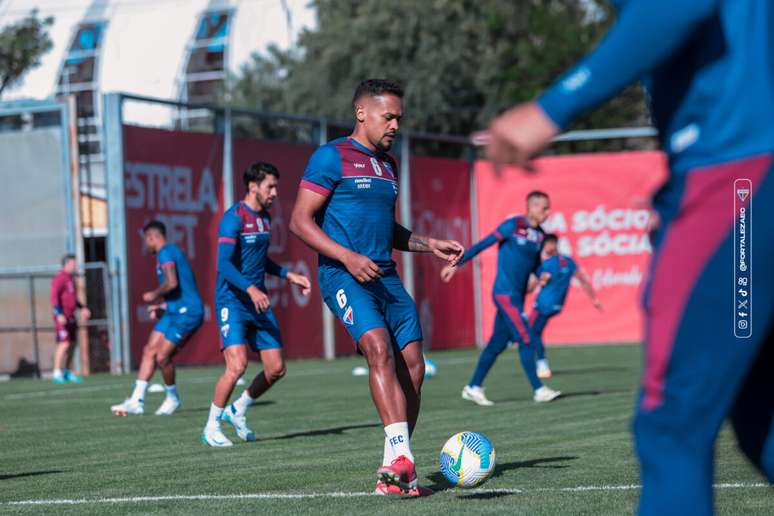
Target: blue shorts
<point x="241" y="324"/>
<point x="382" y="303"/>
<point x="177" y="326"/>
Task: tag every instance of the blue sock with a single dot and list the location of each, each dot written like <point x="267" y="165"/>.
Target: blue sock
<point x="527" y="357"/>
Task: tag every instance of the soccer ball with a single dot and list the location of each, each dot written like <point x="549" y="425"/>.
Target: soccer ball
<point x="467" y="459"/>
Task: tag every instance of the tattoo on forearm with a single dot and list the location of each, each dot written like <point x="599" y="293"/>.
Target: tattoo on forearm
<point x="418" y="244"/>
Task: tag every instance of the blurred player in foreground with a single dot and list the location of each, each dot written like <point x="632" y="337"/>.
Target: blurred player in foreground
<point x="553" y="276"/>
<point x="177" y="299"/>
<point x="345" y="210"/>
<point x="519" y="241"/>
<point x="242" y="304"/>
<point x="708" y="66"/>
<point x="64" y="303"/>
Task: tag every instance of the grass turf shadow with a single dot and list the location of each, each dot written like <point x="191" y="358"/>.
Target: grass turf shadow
<point x="439" y="482"/>
<point x="336" y="430"/>
<point x="10" y="476"/>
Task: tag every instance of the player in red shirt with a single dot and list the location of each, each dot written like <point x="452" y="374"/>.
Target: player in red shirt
<point x="64" y="303"/>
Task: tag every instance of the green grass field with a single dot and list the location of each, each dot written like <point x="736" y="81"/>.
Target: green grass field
<point x="320" y="443"/>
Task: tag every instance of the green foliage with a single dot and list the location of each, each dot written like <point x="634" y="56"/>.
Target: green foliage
<point x="21" y="47"/>
<point x="461" y="61"/>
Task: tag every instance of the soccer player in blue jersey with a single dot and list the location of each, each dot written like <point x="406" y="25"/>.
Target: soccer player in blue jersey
<point x="242" y="305"/>
<point x="709" y="69"/>
<point x="177" y="300"/>
<point x="519" y="240"/>
<point x="345" y="210"/>
<point x="553" y="276"/>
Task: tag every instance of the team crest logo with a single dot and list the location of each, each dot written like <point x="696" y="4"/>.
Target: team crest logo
<point x="348" y="317"/>
<point x="224" y="330"/>
<point x="377" y="168"/>
<point x="743" y="193"/>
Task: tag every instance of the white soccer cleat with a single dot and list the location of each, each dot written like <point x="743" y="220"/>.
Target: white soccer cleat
<point x="169" y="407"/>
<point x="476" y="395"/>
<point x="543" y="370"/>
<point x="546" y="394"/>
<point x="213" y="436"/>
<point x="240" y="425"/>
<point x="129" y="407"/>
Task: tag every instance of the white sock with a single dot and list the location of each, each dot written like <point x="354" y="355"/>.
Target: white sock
<point x="58" y="372"/>
<point x="240" y="406"/>
<point x="140" y="386"/>
<point x="171" y="391"/>
<point x="215" y="415"/>
<point x="398" y="436"/>
<point x="389" y="453"/>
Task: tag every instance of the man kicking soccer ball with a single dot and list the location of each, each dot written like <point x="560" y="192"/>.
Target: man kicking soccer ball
<point x="345" y="210"/>
<point x="519" y="242"/>
<point x="177" y="297"/>
<point x="242" y="305"/>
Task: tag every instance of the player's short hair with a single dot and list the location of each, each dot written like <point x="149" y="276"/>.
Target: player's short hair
<point x="535" y="194"/>
<point x="257" y="172"/>
<point x="376" y="87"/>
<point x="157" y="225"/>
<point x="67" y="257"/>
<point x="550" y="237"/>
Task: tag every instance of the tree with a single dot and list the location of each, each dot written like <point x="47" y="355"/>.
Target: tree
<point x="460" y="61"/>
<point x="21" y="47"/>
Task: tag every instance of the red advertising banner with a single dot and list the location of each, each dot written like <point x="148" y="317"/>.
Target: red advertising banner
<point x="597" y="211"/>
<point x="440" y="207"/>
<point x="175" y="177"/>
<point x="299" y="316"/>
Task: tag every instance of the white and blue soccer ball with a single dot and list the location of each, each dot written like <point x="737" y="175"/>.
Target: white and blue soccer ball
<point x="467" y="459"/>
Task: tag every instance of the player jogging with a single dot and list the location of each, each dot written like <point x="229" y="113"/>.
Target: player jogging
<point x="345" y="211"/>
<point x="709" y="69"/>
<point x="64" y="303"/>
<point x="177" y="302"/>
<point x="554" y="276"/>
<point x="242" y="305"/>
<point x="519" y="240"/>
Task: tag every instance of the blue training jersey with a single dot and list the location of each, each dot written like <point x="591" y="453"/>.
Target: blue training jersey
<point x="708" y="66"/>
<point x="518" y="254"/>
<point x="243" y="246"/>
<point x="552" y="295"/>
<point x="186" y="295"/>
<point x="361" y="186"/>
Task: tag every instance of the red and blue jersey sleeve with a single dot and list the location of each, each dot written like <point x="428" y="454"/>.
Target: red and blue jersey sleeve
<point x="498" y="235"/>
<point x="165" y="256"/>
<point x="323" y="172"/>
<point x="228" y="237"/>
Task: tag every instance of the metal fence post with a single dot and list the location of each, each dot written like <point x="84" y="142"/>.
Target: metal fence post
<point x="477" y="299"/>
<point x="329" y="333"/>
<point x="228" y="161"/>
<point x="34" y="321"/>
<point x="405" y="208"/>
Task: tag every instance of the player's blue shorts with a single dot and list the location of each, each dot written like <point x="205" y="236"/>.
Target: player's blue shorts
<point x="382" y="303"/>
<point x="242" y="324"/>
<point x="178" y="326"/>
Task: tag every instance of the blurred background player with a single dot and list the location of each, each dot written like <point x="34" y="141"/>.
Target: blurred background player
<point x="708" y="66"/>
<point x="345" y="210"/>
<point x="64" y="303"/>
<point x="553" y="276"/>
<point x="519" y="240"/>
<point x="177" y="297"/>
<point x="242" y="305"/>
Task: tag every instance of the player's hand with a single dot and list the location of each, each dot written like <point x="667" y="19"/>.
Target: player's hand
<point x="544" y="278"/>
<point x="61" y="319"/>
<point x="448" y="272"/>
<point x="450" y="251"/>
<point x="85" y="314"/>
<point x="149" y="297"/>
<point x="362" y="268"/>
<point x="517" y="135"/>
<point x="300" y="280"/>
<point x="259" y="299"/>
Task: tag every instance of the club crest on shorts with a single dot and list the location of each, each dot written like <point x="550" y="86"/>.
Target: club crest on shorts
<point x="743" y="193"/>
<point x="348" y="317"/>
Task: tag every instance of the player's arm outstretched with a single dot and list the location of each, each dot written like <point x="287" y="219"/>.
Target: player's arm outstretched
<point x="404" y="239"/>
<point x="585" y="284"/>
<point x="447" y="273"/>
<point x="168" y="285"/>
<point x="646" y="33"/>
<point x="293" y="278"/>
<point x="304" y="226"/>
